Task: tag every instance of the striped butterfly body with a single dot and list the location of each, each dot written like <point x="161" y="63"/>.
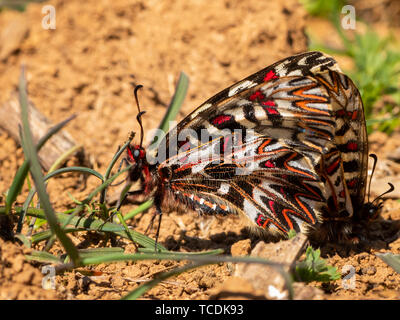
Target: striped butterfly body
<point x="286" y="148"/>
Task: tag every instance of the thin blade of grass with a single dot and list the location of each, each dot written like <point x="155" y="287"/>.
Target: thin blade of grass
<point x="46" y="234"/>
<point x="143" y="207"/>
<point x="122" y="221"/>
<point x="43" y="256"/>
<point x="105" y="250"/>
<point x="22" y="172"/>
<point x="105" y="185"/>
<point x="111" y="166"/>
<point x="61" y="159"/>
<point x="139" y="291"/>
<point x="53" y="130"/>
<point x="392" y="260"/>
<point x="25" y="206"/>
<point x="177" y="256"/>
<point x="27" y="242"/>
<point x="31" y="155"/>
<point x="94" y="252"/>
<point x="175" y="105"/>
<point x="16" y="185"/>
<point x="74" y="169"/>
<point x="210" y="252"/>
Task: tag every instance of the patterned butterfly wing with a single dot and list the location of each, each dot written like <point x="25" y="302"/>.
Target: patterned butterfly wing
<point x="347" y="162"/>
<point x="265" y="147"/>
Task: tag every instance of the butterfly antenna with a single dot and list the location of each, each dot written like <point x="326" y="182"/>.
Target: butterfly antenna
<point x="140" y="113"/>
<point x="372" y="155"/>
<point x="386" y="192"/>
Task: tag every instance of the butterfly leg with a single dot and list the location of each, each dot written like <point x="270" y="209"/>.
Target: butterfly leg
<point x="158" y="213"/>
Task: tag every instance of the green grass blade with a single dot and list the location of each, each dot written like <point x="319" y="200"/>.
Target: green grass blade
<point x="177" y="256"/>
<point x="25" y="206"/>
<point x="139" y="291"/>
<point x="210" y="252"/>
<point x="175" y="105"/>
<point x="94" y="252"/>
<point x="16" y="185"/>
<point x="53" y="130"/>
<point x="22" y="172"/>
<point x="43" y="256"/>
<point x="31" y="155"/>
<point x="392" y="260"/>
<point x="143" y="207"/>
<point x="25" y="240"/>
<point x="111" y="165"/>
<point x="105" y="184"/>
<point x="46" y="234"/>
<point x="74" y="169"/>
<point x="61" y="159"/>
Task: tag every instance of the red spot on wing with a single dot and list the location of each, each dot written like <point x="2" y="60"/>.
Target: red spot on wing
<point x="353" y="115"/>
<point x="271" y="205"/>
<point x="352" y="146"/>
<point x="268" y="103"/>
<point x="221" y="119"/>
<point x="270" y="75"/>
<point x="352" y="183"/>
<point x="256" y="95"/>
<point x="269" y="164"/>
<point x="340" y="113"/>
<point x="271" y="111"/>
<point x="333" y="166"/>
<point x="282" y="191"/>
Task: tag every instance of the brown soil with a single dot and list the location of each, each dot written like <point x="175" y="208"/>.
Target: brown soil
<point x="86" y="65"/>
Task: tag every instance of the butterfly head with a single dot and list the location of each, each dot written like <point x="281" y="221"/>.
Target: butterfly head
<point x="371" y="208"/>
<point x="136" y="155"/>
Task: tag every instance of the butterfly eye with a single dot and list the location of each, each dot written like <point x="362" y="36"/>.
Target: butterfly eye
<point x="136" y="153"/>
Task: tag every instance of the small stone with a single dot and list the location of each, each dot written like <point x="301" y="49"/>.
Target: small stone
<point x="236" y="288"/>
<point x="241" y="248"/>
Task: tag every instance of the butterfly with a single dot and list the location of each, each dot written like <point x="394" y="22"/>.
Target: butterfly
<point x="285" y="149"/>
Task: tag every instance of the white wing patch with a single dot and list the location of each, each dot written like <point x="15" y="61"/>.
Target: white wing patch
<point x="241" y="86"/>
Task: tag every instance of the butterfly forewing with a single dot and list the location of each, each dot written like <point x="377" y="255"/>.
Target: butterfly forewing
<point x="286" y="148"/>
